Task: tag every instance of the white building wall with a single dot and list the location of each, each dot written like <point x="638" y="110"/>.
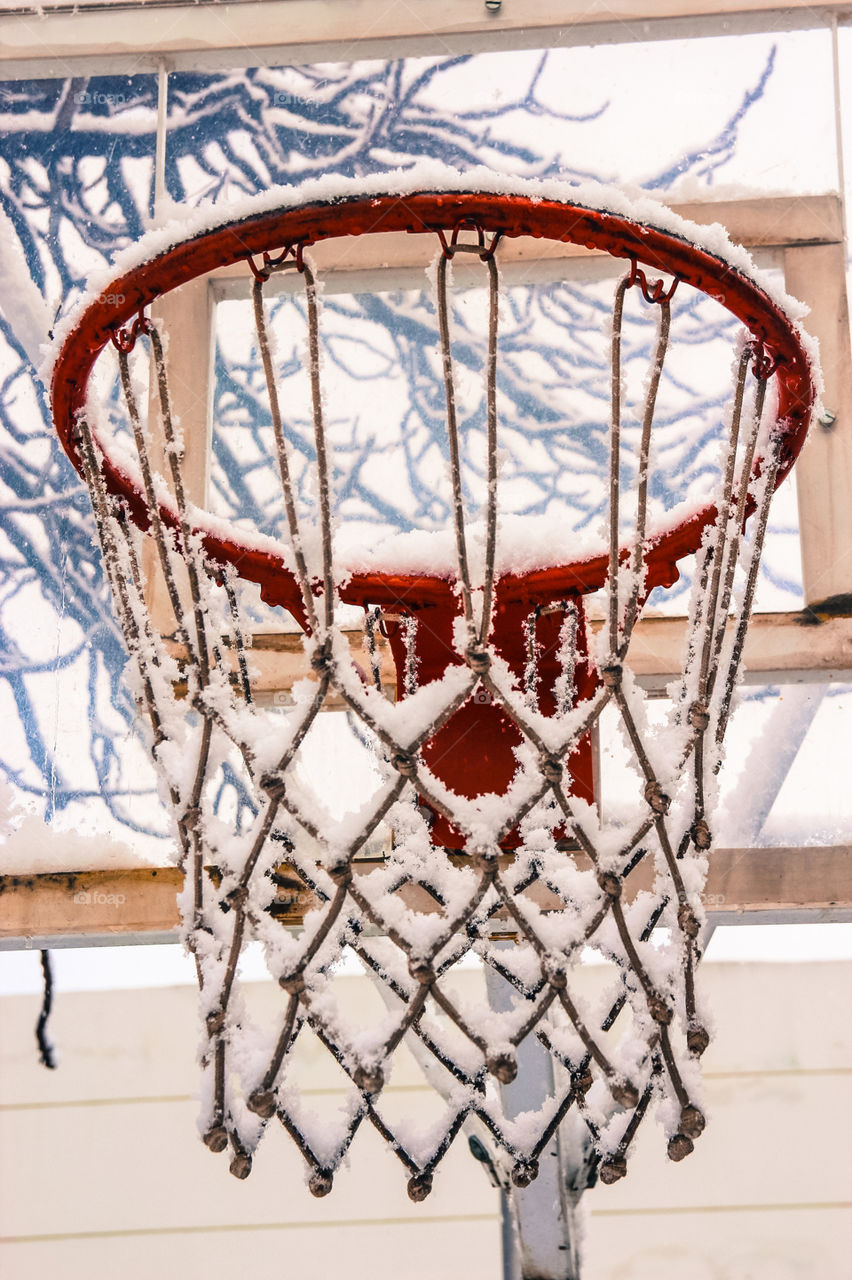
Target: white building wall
<point x="102" y="1173"/>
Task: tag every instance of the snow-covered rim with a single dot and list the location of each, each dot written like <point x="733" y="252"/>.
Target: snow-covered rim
<point x="630" y="226"/>
<point x="424" y="176"/>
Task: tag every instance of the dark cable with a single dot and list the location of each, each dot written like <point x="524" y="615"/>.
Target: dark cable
<point x="45" y="1048"/>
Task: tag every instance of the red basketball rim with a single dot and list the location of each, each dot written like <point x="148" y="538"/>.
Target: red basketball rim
<point x="512" y="216"/>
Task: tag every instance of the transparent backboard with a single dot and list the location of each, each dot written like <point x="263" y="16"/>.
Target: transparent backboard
<point x="657" y="117"/>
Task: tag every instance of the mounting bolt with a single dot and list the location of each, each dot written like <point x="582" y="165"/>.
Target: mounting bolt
<point x="494" y="6"/>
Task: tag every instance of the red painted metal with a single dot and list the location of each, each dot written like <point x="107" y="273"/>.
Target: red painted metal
<point x="473" y="753"/>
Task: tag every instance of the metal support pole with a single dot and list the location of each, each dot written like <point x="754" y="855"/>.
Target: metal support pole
<point x="539" y="1226"/>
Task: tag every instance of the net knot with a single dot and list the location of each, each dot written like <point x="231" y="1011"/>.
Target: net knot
<point x="699" y="716"/>
<point x="321" y="658"/>
<point x="273" y="784"/>
<point x="215" y="1022"/>
<point x="320" y="1183"/>
<point x="419" y="1187"/>
<point x="701" y="836"/>
<point x="216" y="1138"/>
<point x="478" y="659"/>
<point x="625" y="1093"/>
<point x="583" y="1082"/>
<point x="613" y="1169"/>
<point x="504" y="1066"/>
<point x="262" y="1103"/>
<point x="370" y="1079"/>
<point x="238" y="897"/>
<point x="422" y="972"/>
<point x="525" y="1172"/>
<point x="485" y="861"/>
<point x="192" y="817"/>
<point x="688" y="921"/>
<point x="405" y="764"/>
<point x="659" y="1010"/>
<point x="697" y="1039"/>
<point x="657" y="798"/>
<point x="692" y="1121"/>
<point x="680" y="1146"/>
<point x="292" y="983"/>
<point x="610" y="883"/>
<point x="551" y="768"/>
<point x="341" y="874"/>
<point x="240" y="1166"/>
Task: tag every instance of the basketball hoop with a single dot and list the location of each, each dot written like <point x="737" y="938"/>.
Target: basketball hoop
<point x="486" y="758"/>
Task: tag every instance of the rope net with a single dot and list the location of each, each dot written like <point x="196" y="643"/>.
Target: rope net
<point x="539" y="862"/>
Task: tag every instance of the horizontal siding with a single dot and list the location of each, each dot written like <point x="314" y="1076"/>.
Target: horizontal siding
<point x="101" y="1171"/>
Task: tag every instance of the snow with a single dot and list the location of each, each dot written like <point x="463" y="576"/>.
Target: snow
<point x="421" y="176"/>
